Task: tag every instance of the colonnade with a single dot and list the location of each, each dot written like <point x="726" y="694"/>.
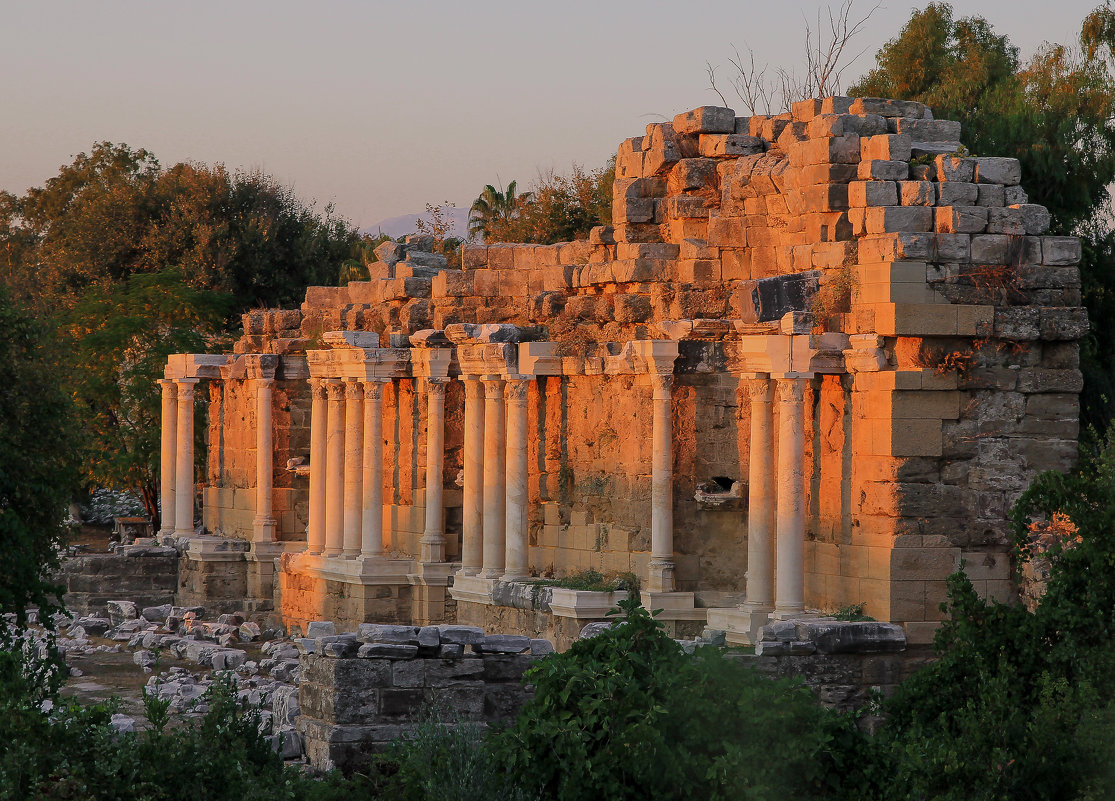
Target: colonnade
<point x="776" y="496"/>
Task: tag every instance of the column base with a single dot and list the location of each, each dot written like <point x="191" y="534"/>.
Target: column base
<point x="476" y="589"/>
<point x="661" y="577"/>
<point x="432" y="549"/>
<point x="674" y="605"/>
<point x="792" y="614"/>
<point x="263" y="529"/>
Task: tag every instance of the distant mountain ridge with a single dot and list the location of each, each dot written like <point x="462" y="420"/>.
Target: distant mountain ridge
<point x="405" y="224"/>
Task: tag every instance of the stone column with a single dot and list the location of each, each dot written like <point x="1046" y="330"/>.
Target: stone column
<point x="433" y="533"/>
<point x="354" y="457"/>
<point x="661" y="577"/>
<point x="371" y="526"/>
<point x="315" y="530"/>
<point x="472" y="530"/>
<point x="517" y="491"/>
<point x="184" y="463"/>
<point x="495" y="491"/>
<point x="335" y="469"/>
<point x="167" y="510"/>
<point x="263" y="526"/>
<point x="790" y="581"/>
<point x="761" y="489"/>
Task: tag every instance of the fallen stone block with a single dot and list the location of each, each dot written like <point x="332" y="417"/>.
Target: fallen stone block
<point x="320" y="628"/>
<point x="997" y="170"/>
<point x="460" y="635"/>
<point x="156" y="614"/>
<point x="705" y="120"/>
<point x="383" y="633"/>
<point x="382" y="650"/>
<point x="502" y="644"/>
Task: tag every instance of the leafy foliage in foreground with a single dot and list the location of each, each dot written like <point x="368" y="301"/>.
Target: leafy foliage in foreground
<point x="626" y="714"/>
<point x="1020" y="704"/>
<point x="36" y="465"/>
<point x="72" y="751"/>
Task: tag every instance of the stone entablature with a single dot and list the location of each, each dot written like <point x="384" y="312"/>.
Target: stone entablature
<point x="889" y="435"/>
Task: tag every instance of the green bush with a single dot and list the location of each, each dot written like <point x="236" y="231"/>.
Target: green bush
<point x="72" y="751"/>
<point x="626" y="714"/>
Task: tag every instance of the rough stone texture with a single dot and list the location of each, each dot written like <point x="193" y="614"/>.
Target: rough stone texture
<point x="92" y="581"/>
<point x="968" y="317"/>
<point x="351" y="709"/>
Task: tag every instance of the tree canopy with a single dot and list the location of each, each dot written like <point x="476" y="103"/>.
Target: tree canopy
<point x="129" y="262"/>
<point x="558" y="208"/>
<point x="36" y="462"/>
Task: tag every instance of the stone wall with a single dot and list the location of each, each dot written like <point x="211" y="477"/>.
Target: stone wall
<point x="359" y="692"/>
<point x="954" y="379"/>
<point x="147" y="575"/>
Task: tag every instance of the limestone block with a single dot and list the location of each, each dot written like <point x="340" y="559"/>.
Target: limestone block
<point x="735" y="265"/>
<point x="1005" y="221"/>
<point x="690" y="174"/>
<point x="634" y="210"/>
<point x="638" y="232"/>
<point x="833" y="150"/>
<point x="578" y="252"/>
<point x="628" y="271"/>
<point x="990" y="195"/>
<point x="916" y="193"/>
<point x="886" y="147"/>
<point x="827" y="197"/>
<point x="997" y="170"/>
<point x="956" y="193"/>
<point x="451" y="283"/>
<point x="729" y="145"/>
<point x="960" y="219"/>
<point x="772" y="127"/>
<point x="662" y="154"/>
<point x="687" y="207"/>
<point x="926" y="130"/>
<point x="895" y="219"/>
<point x="1013" y="195"/>
<point x="1065" y="323"/>
<point x="828" y="173"/>
<point x="727" y="232"/>
<point x="705" y="120"/>
<point x="954" y="168"/>
<point x="1017" y="322"/>
<point x="991" y="249"/>
<point x="1043" y="379"/>
<point x="502" y="644"/>
<point x="974" y="321"/>
<point x="1060" y="250"/>
<point x="882" y="170"/>
<point x="952" y="248"/>
<point x="1035" y="218"/>
<point x="890" y="108"/>
<point x="698" y="271"/>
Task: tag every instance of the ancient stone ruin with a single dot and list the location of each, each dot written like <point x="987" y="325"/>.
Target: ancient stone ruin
<point x="811" y="364"/>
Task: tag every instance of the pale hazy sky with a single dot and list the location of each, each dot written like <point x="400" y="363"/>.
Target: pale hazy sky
<point x="380" y="108"/>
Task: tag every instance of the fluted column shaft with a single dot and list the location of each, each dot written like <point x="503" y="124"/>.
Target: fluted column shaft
<point x="517" y="498"/>
<point x="761" y="494"/>
<point x="661" y="577"/>
<point x="790" y="582"/>
<point x="371" y="527"/>
<point x="184" y="463"/>
<point x="167" y="455"/>
<point x="472" y="529"/>
<point x="335" y="469"/>
<point x="433" y="533"/>
<point x="495" y="490"/>
<point x="319" y="410"/>
<point x="354" y="468"/>
<point x="263" y="526"/>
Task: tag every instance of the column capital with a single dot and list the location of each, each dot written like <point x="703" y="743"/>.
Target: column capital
<point x="353" y="390"/>
<point x="791" y="390"/>
<point x="186" y="387"/>
<point x="493" y="387"/>
<point x="373" y="388"/>
<point x="517" y="389"/>
<point x="168" y="384"/>
<point x="335" y="388"/>
<point x="265" y="382"/>
<point x="760" y="389"/>
<point x="436" y="386"/>
<point x="663" y="385"/>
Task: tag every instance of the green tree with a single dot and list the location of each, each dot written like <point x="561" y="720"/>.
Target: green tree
<point x="118" y="339"/>
<point x="116" y="212"/>
<point x="36" y="462"/>
<point x="1054" y="113"/>
<point x="494" y="210"/>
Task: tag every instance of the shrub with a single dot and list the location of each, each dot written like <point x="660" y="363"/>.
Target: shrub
<point x="626" y="714"/>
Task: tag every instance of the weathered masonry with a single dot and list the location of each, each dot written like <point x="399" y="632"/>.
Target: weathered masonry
<point x="812" y="363"/>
